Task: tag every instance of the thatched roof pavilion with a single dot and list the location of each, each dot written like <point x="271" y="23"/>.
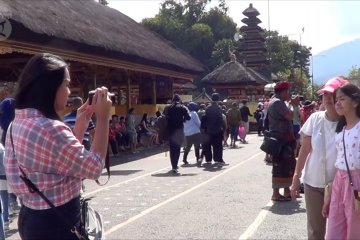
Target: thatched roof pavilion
<point x="101" y="42"/>
<point x="235" y="80"/>
<point x="234" y="73"/>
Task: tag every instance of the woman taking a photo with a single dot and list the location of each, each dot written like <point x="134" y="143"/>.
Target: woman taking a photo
<point x="40" y="146"/>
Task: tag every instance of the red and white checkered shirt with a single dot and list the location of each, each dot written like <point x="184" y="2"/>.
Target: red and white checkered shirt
<point x="51" y="157"/>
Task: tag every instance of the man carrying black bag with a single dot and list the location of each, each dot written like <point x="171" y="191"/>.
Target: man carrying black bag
<point x="280" y="128"/>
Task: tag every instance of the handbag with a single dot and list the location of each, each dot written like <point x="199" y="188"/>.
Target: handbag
<point x="242" y="132"/>
<point x="272" y="146"/>
<point x="356" y="192"/>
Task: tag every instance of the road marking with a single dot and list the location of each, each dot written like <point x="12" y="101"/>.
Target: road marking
<point x="257" y="222"/>
<point x="120" y="183"/>
<point x="149" y="210"/>
<point x="126" y="181"/>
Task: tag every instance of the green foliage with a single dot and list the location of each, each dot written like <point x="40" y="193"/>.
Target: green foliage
<point x="194" y="10"/>
<point x="354" y="72"/>
<point x="222" y="25"/>
<point x="188" y="26"/>
<point x="199" y="39"/>
<point x="354" y="75"/>
<point x="220" y="53"/>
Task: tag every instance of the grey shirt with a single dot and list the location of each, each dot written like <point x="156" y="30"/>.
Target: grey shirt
<point x="279" y="126"/>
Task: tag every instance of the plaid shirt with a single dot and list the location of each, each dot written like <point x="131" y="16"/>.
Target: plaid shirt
<point x="51" y="157"/>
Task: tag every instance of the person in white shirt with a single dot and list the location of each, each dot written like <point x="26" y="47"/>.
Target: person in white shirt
<point x="343" y="219"/>
<point x="317" y="153"/>
<point x="192" y="133"/>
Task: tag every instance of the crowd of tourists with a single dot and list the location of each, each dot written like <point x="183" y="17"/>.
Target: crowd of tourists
<point x="328" y="161"/>
<point x="318" y="145"/>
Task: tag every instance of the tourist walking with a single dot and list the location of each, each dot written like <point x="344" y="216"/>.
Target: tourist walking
<point x="343" y="219"/>
<point x="215" y="126"/>
<point x="233" y="117"/>
<point x="245" y="114"/>
<point x="40" y="147"/>
<point x="192" y="133"/>
<point x="176" y="114"/>
<point x="317" y="155"/>
<point x="280" y="127"/>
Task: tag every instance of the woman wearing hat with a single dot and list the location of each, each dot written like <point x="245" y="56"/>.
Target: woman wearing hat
<point x="317" y="154"/>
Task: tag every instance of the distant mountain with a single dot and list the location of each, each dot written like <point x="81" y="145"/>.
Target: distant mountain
<point x="336" y="61"/>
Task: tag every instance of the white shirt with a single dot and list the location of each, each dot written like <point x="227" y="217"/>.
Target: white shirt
<point x="192" y="126"/>
<point x="319" y="167"/>
<point x="352" y="146"/>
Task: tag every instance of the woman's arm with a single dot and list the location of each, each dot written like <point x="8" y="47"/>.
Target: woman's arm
<point x="303" y="154"/>
<point x="102" y="106"/>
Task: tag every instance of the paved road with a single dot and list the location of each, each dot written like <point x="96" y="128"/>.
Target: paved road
<point x="143" y="200"/>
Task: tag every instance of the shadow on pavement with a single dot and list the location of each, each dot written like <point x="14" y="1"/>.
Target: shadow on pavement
<point x="143" y="152"/>
<point x="213" y="167"/>
<point x="122" y="172"/>
<point x="171" y="174"/>
<point x="286" y="208"/>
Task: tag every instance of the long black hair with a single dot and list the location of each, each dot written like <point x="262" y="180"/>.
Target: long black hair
<point x="353" y="92"/>
<point x="39" y="82"/>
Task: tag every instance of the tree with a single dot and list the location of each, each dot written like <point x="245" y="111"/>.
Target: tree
<point x="354" y="75"/>
<point x="188" y="26"/>
<point x="221" y="25"/>
<point x="221" y="53"/>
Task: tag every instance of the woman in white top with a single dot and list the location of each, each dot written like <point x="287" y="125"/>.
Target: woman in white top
<point x="317" y="154"/>
<point x="343" y="221"/>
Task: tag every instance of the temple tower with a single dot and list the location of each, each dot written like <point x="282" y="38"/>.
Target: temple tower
<point x="252" y="48"/>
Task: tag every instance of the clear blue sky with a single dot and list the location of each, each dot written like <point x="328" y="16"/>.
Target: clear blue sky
<point x="326" y="23"/>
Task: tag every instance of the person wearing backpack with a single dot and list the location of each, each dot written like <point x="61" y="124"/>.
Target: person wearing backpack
<point x="176" y="114"/>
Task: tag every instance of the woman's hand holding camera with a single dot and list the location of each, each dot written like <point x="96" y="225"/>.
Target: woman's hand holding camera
<point x="101" y="103"/>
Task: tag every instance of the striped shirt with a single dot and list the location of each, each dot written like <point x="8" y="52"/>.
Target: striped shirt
<point x="70" y="120"/>
<point x="52" y="158"/>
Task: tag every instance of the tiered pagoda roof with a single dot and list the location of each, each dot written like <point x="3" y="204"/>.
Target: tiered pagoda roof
<point x="253" y="47"/>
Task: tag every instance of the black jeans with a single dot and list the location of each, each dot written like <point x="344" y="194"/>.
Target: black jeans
<point x="214" y="141"/>
<point x="192" y="140"/>
<point x="45" y="224"/>
<point x="175" y="141"/>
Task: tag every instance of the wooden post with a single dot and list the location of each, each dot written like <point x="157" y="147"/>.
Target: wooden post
<point x="94" y="76"/>
<point x="153" y="88"/>
<point x="128" y="90"/>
